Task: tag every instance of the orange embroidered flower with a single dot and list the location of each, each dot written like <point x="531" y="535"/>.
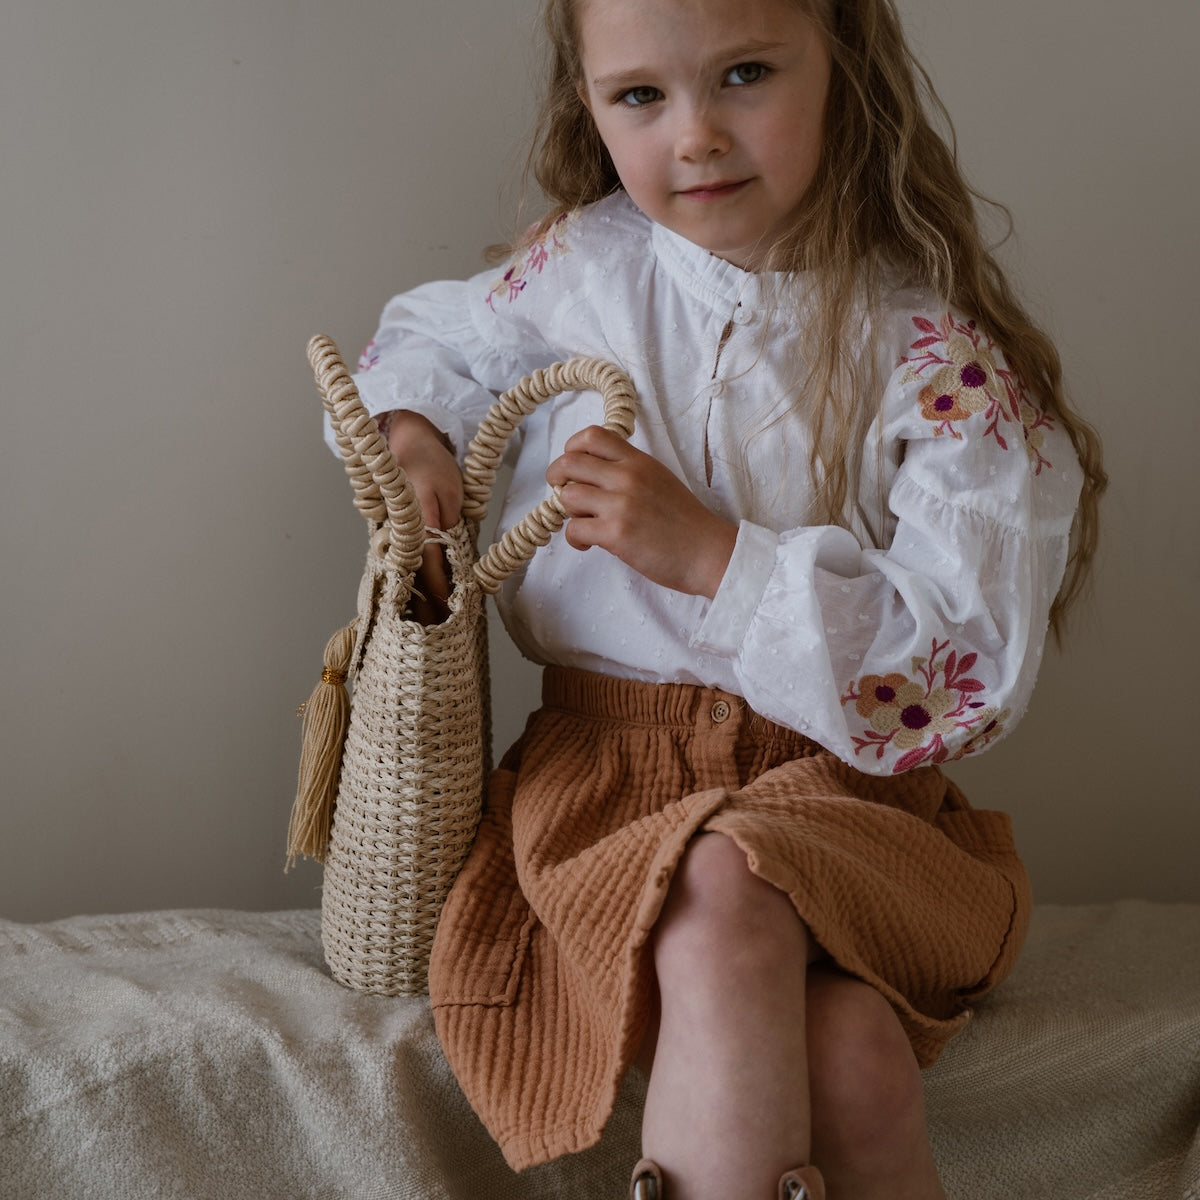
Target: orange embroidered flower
<point x="875" y="690"/>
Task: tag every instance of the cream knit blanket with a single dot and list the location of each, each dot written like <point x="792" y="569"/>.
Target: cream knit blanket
<point x="206" y="1055"/>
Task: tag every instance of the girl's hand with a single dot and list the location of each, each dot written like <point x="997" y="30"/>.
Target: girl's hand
<point x="424" y="455"/>
<point x="621" y="499"/>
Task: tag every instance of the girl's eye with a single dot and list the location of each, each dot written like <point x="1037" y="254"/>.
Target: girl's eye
<point x="639" y="96"/>
<point x="745" y="73"/>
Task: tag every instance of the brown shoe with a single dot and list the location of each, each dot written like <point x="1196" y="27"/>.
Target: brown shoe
<point x="647" y="1182"/>
<point x="804" y="1183"/>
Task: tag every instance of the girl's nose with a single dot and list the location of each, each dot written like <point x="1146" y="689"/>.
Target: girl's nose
<point x="701" y="136"/>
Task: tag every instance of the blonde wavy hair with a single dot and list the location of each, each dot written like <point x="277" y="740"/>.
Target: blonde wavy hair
<point x="889" y="200"/>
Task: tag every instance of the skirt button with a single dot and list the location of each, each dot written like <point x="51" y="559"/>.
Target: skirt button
<point x="720" y="712"/>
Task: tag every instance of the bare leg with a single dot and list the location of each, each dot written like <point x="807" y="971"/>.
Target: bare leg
<point x="869" y="1132"/>
<point x="744" y="1024"/>
<point x="727" y="1110"/>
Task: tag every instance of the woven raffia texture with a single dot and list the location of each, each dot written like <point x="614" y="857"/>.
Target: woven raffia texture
<point x="417" y="748"/>
<point x="411" y="783"/>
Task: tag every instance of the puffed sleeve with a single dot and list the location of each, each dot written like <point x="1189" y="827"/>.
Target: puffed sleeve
<point x="924" y="649"/>
<point x="448" y="348"/>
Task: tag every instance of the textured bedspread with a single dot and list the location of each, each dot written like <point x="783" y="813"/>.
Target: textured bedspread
<point x="207" y="1055"/>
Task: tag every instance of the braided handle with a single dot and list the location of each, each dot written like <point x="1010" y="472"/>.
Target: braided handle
<point x="486" y="450"/>
<point x="382" y="492"/>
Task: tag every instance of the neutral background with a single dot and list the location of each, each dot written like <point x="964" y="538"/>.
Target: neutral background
<point x="190" y="188"/>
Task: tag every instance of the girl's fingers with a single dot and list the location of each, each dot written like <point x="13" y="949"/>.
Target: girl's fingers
<point x="588" y="457"/>
<point x="583" y="532"/>
<point x="625" y="501"/>
<point x="582" y="499"/>
<point x="425" y="456"/>
<point x="431" y="593"/>
<point x="600" y="443"/>
<point x="434" y="573"/>
<point x="432" y="587"/>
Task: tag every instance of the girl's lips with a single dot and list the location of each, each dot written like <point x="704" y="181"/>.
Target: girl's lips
<point x="714" y="191"/>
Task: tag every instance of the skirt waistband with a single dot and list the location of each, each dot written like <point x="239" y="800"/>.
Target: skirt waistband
<point x="675" y="705"/>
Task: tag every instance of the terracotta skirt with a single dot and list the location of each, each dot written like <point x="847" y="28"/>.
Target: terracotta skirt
<point x="541" y="979"/>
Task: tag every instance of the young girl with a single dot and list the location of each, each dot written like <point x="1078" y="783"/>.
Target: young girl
<point x="825" y="564"/>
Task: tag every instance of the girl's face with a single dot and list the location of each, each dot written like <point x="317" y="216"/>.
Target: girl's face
<point x="712" y="111"/>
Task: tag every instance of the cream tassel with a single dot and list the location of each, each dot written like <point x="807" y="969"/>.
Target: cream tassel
<point x="326" y="716"/>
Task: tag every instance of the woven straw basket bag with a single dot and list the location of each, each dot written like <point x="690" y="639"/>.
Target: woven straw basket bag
<point x="391" y="781"/>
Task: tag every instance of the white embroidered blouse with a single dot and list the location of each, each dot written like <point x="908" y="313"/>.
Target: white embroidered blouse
<point x="917" y="643"/>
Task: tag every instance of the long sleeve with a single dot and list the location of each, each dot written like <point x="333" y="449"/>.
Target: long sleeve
<point x="925" y="649"/>
<point x="431" y="356"/>
<point x="446" y="349"/>
<point x="914" y="641"/>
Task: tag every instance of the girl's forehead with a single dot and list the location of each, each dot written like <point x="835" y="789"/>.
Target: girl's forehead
<point x="647" y="18"/>
<point x="823" y="10"/>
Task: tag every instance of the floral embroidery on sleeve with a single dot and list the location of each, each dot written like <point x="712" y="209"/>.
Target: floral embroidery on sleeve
<point x="956" y="362"/>
<point x="532" y="261"/>
<point x="369" y="356"/>
<point x="915" y="713"/>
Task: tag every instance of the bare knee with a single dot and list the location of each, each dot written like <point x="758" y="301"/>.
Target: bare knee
<point x="713" y="882"/>
<point x="867" y="1098"/>
<point x="719" y="908"/>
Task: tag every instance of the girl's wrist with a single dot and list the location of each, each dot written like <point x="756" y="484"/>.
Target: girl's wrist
<point x="716" y="559"/>
<point x="403" y="429"/>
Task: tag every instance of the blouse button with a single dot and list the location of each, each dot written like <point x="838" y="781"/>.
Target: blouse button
<point x="720" y="712"/>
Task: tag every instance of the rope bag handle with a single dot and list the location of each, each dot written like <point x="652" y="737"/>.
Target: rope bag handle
<point x="383" y="494"/>
<point x="486" y="450"/>
<point x="385" y="497"/>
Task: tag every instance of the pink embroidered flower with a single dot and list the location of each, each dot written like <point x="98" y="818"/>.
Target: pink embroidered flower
<point x="1033" y="421"/>
<point x="531" y="261"/>
<point x="991" y="725"/>
<point x="369" y="356"/>
<point x="913" y="715"/>
<point x="964" y="385"/>
<point x="916" y="713"/>
<point x="509" y="286"/>
<point x="962" y="379"/>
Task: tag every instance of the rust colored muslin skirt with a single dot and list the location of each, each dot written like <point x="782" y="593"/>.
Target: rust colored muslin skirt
<point x="541" y="979"/>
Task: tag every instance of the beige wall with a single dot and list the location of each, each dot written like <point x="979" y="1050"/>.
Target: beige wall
<point x="192" y="188"/>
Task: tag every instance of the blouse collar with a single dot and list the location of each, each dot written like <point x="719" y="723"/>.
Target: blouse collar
<point x="718" y="283"/>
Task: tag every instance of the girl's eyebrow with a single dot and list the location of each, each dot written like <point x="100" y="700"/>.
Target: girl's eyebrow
<point x="627" y="77"/>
